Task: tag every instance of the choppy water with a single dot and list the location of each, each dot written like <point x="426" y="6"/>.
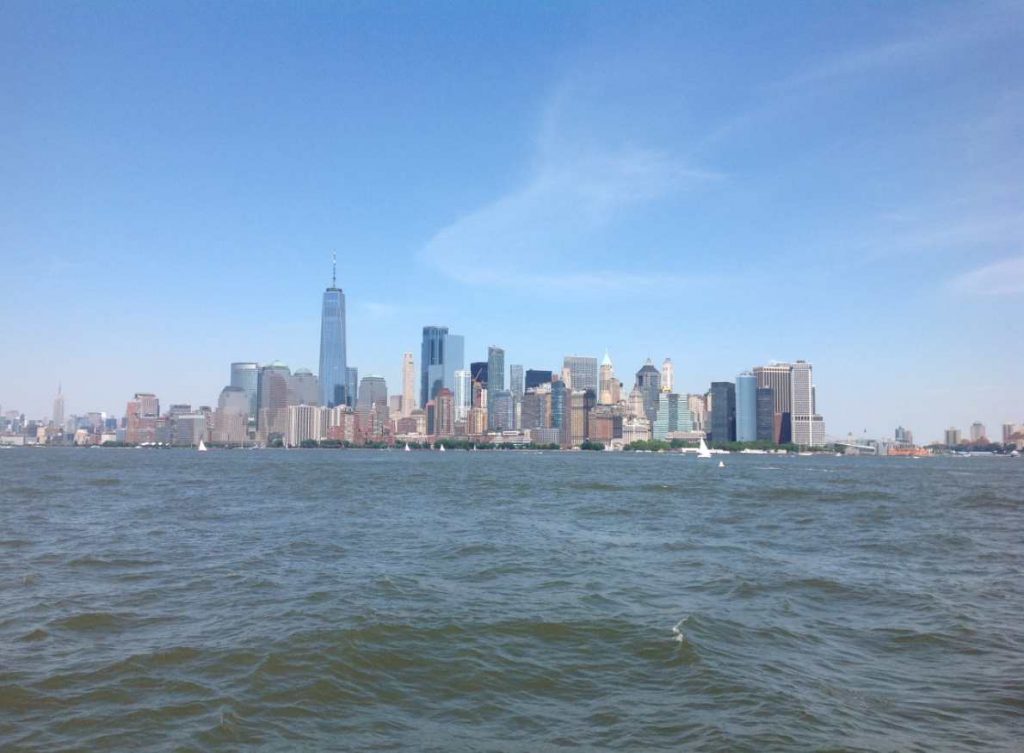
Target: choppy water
<point x="315" y="600"/>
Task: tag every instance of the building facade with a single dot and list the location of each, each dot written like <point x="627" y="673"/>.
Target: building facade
<point x="333" y="364"/>
<point x="746" y="408"/>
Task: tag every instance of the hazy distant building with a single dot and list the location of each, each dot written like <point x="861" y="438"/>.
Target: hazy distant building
<point x="272" y="399"/>
<point x="306" y="423"/>
<point x="765" y="398"/>
<point x="635" y="428"/>
<point x="536" y="378"/>
<point x="500" y="412"/>
<point x="303" y="388"/>
<point x="903" y="437"/>
<point x="978" y="433"/>
<point x="58" y="409"/>
<point x="953" y="438"/>
<point x="351" y="385"/>
<point x="333" y="388"/>
<point x="189" y="429"/>
<point x="231" y="419"/>
<point x="408" y="384"/>
<point x="723" y="412"/>
<point x="807" y="426"/>
<point x="668" y="376"/>
<point x="516" y="381"/>
<point x="582" y="372"/>
<point x="746" y="407"/>
<point x="245" y="375"/>
<point x="648" y="383"/>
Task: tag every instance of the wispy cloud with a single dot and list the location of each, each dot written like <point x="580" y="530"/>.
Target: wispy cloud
<point x="537" y="235"/>
<point x="1001" y="278"/>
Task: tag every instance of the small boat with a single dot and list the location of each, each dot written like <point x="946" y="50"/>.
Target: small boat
<point x="407" y="447"/>
<point x="202" y="446"/>
<point x="703" y="452"/>
<point x="442" y="448"/>
<point x="721" y="464"/>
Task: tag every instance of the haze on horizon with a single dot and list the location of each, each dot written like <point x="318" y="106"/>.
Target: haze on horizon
<point x="722" y="184"/>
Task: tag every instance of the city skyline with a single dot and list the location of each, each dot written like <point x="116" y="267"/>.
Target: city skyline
<point x="651" y="183"/>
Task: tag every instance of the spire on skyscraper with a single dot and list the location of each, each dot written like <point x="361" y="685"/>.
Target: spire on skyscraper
<point x="334" y="270"/>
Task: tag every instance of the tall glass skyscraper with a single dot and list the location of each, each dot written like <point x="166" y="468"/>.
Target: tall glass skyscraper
<point x="723" y="412"/>
<point x="333" y="373"/>
<point x="245" y="375"/>
<point x="495" y="383"/>
<point x="746" y="407"/>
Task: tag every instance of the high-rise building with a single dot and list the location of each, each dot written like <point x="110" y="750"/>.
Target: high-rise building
<point x="765" y="414"/>
<point x="559" y="403"/>
<point x="536" y="411"/>
<point x="231" y="420"/>
<point x="668" y="376"/>
<point x="576" y="428"/>
<point x="1010" y="431"/>
<point x="778" y="377"/>
<point x="408" y="384"/>
<point x="441" y="355"/>
<point x="272" y="400"/>
<point x="648" y="383"/>
<point x="333" y="364"/>
<point x="978" y="432"/>
<point x="516" y="381"/>
<point x="478" y="372"/>
<point x="141" y="416"/>
<point x="582" y="372"/>
<point x="495" y="384"/>
<point x="903" y="437"/>
<point x="351" y="385"/>
<point x="303" y="388"/>
<point x="746" y="407"/>
<point x="723" y="412"/>
<point x="58" y="409"/>
<point x="953" y="438"/>
<point x="807" y="426"/>
<point x="673" y="415"/>
<point x="536" y="378"/>
<point x="306" y="423"/>
<point x="501" y="412"/>
<point x="245" y="375"/>
<point x="462" y="394"/>
<point x="444" y="412"/>
<point x="607" y="384"/>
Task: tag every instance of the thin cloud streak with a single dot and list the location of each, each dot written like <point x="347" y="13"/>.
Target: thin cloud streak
<point x="1001" y="278"/>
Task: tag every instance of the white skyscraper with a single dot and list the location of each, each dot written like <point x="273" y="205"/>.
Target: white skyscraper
<point x="409" y="403"/>
<point x="808" y="427"/>
<point x="463" y="394"/>
<point x="667" y="376"/>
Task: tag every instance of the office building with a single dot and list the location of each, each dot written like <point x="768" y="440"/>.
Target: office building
<point x="765" y="414"/>
<point x="978" y="433"/>
<point x="333" y="389"/>
<point x="495" y="384"/>
<point x="808" y="427"/>
<point x="576" y="429"/>
<point x="953" y="438"/>
<point x="582" y="372"/>
<point x="462" y="394"/>
<point x="351" y="385"/>
<point x="673" y="416"/>
<point x="536" y="378"/>
<point x="231" y="419"/>
<point x="607" y="384"/>
<point x="536" y="410"/>
<point x="272" y="400"/>
<point x="141" y="417"/>
<point x="441" y="355"/>
<point x="409" y="402"/>
<point x="778" y="378"/>
<point x="478" y="372"/>
<point x="723" y="412"/>
<point x="559" y="404"/>
<point x="444" y="413"/>
<point x="668" y="376"/>
<point x="306" y="423"/>
<point x="500" y="412"/>
<point x="58" y="409"/>
<point x="746" y="407"/>
<point x="304" y="388"/>
<point x="648" y="384"/>
<point x="245" y="375"/>
<point x="516" y="381"/>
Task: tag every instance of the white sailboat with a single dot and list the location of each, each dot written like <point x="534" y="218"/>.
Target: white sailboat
<point x="407" y="447"/>
<point x="442" y="448"/>
<point x="202" y="446"/>
<point x="703" y="452"/>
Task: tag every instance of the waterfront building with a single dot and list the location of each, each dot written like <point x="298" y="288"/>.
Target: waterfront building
<point x="1010" y="431"/>
<point x="231" y="419"/>
<point x="673" y="416"/>
<point x="351" y="386"/>
<point x="304" y="388"/>
<point x="668" y="376"/>
<point x="605" y="423"/>
<point x="808" y="427"/>
<point x="576" y="430"/>
<point x="341" y="424"/>
<point x="778" y="377"/>
<point x="500" y="412"/>
<point x="582" y="372"/>
<point x="142" y="415"/>
<point x="333" y="389"/>
<point x="546" y="436"/>
<point x="635" y="428"/>
<point x="441" y="355"/>
<point x="463" y="394"/>
<point x="536" y="378"/>
<point x="698" y="406"/>
<point x="444" y="413"/>
<point x="245" y="375"/>
<point x="765" y="398"/>
<point x="536" y="410"/>
<point x="978" y="433"/>
<point x="648" y="382"/>
<point x="306" y="423"/>
<point x="495" y="384"/>
<point x="746" y="407"/>
<point x="516" y="381"/>
<point x="272" y="401"/>
<point x="188" y="429"/>
<point x="953" y="438"/>
<point x="723" y="412"/>
<point x="408" y="384"/>
<point x="476" y="421"/>
<point x="903" y="437"/>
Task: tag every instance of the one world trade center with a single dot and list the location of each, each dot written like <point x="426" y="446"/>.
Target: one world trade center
<point x="332" y="346"/>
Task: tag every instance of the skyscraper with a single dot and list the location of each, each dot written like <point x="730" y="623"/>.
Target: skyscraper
<point x="351" y="385"/>
<point x="516" y="381"/>
<point x="272" y="415"/>
<point x="463" y="395"/>
<point x="746" y="407"/>
<point x="536" y="378"/>
<point x="978" y="432"/>
<point x="245" y="375"/>
<point x="303" y="388"/>
<point x="648" y="382"/>
<point x="478" y="372"/>
<point x="668" y="376"/>
<point x="582" y="372"/>
<point x="723" y="412"/>
<point x="58" y="409"/>
<point x="333" y="374"/>
<point x="501" y="412"/>
<point x="408" y="384"/>
<point x="778" y="377"/>
<point x="441" y="356"/>
<point x="495" y="383"/>
<point x="807" y="426"/>
<point x="765" y="414"/>
<point x="605" y="381"/>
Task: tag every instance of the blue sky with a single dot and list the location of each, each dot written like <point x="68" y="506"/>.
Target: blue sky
<point x="725" y="184"/>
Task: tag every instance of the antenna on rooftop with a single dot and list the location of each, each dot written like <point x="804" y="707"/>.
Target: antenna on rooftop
<point x="334" y="270"/>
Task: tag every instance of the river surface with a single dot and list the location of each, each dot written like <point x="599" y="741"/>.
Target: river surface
<point x="508" y="601"/>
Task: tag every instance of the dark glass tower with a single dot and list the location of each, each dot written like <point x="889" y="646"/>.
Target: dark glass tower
<point x="723" y="412"/>
<point x="333" y="371"/>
